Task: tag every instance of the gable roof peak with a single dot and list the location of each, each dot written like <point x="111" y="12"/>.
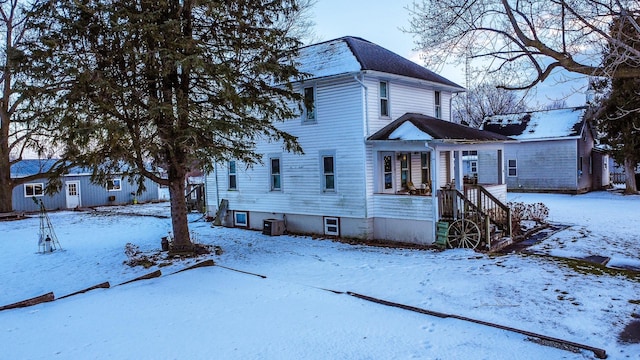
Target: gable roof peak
<point x="354" y="54"/>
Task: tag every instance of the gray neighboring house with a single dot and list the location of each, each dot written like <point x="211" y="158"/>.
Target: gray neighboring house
<point x="77" y="189"/>
<point x="554" y="152"/>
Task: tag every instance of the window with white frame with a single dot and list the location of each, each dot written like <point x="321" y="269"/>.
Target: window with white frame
<point x="438" y="105"/>
<point x="405" y="173"/>
<point x="240" y="219"/>
<point x="310" y="103"/>
<point x="512" y="167"/>
<point x="473" y="166"/>
<point x="328" y="173"/>
<point x="332" y="226"/>
<point x="233" y="179"/>
<point x="425" y="167"/>
<point x="275" y="175"/>
<point x="34" y="189"/>
<point x="114" y="184"/>
<point x="384" y="98"/>
<point x="387" y="172"/>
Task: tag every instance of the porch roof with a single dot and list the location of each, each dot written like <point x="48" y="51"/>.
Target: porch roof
<point x="419" y="127"/>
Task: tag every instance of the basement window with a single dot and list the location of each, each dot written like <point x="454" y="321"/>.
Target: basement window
<point x="332" y="226"/>
<point x="240" y="219"/>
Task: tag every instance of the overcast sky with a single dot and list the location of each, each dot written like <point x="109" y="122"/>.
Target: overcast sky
<point x="380" y="22"/>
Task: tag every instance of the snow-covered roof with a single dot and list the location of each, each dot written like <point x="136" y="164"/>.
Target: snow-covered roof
<point x="419" y="127"/>
<point x="352" y="54"/>
<point x="539" y="125"/>
<point x="30" y="167"/>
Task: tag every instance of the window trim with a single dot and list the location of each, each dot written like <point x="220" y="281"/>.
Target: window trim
<point x="514" y="168"/>
<point x="324" y="173"/>
<point x="237" y="223"/>
<point x="437" y="104"/>
<point x="327" y="226"/>
<point x="33" y="186"/>
<point x="405" y="169"/>
<point x="473" y="166"/>
<point x="385" y="110"/>
<point x="425" y="167"/>
<point x="272" y="175"/>
<point x="314" y="109"/>
<point x="111" y="184"/>
<point x="232" y="172"/>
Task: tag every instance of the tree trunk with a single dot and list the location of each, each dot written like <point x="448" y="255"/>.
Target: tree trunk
<point x="179" y="222"/>
<point x="6" y="186"/>
<point x="630" y="175"/>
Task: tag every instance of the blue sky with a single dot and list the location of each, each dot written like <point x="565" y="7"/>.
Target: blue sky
<point x="381" y="21"/>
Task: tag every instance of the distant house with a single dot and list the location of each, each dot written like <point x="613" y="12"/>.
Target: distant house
<point x="382" y="160"/>
<point x="77" y="189"/>
<point x="555" y="151"/>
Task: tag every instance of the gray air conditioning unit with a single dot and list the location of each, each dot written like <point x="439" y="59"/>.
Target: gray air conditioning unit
<point x="273" y="227"/>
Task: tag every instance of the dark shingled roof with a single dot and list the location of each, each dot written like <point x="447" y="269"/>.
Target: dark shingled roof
<point x="352" y="54"/>
<point x="438" y="129"/>
<point x="375" y="57"/>
<point x="536" y="125"/>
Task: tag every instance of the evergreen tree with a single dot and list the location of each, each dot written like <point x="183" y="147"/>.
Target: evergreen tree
<point x="619" y="115"/>
<point x="175" y="84"/>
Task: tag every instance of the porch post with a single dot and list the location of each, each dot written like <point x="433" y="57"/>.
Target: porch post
<point x="501" y="178"/>
<point x="458" y="170"/>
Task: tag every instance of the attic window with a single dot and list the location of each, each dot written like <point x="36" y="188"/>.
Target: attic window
<point x="438" y="105"/>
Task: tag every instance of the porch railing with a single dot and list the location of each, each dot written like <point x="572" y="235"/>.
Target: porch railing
<point x="498" y="212"/>
<point x="478" y="205"/>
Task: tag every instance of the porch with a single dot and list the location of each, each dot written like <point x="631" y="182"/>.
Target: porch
<point x="460" y="170"/>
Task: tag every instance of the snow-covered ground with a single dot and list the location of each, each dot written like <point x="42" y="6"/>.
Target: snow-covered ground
<point x="217" y="313"/>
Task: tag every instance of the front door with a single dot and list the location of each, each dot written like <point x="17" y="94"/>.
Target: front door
<point x="73" y="194"/>
<point x="388" y="175"/>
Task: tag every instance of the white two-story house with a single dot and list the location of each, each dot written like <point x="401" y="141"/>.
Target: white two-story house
<point x="379" y="152"/>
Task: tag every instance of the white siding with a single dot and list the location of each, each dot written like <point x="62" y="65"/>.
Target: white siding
<point x="339" y="129"/>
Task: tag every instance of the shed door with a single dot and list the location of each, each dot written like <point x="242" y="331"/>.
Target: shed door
<point x="73" y="194"/>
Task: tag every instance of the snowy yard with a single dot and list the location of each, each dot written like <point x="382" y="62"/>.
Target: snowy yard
<point x="214" y="312"/>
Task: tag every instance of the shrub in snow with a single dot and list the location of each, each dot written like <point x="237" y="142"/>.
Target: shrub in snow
<point x="135" y="257"/>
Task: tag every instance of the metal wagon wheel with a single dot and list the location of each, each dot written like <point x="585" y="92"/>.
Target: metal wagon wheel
<point x="463" y="233"/>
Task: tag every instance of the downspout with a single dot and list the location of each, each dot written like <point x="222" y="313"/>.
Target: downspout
<point x="366" y="125"/>
<point x="434" y="194"/>
<point x="366" y="101"/>
<point x="215" y="172"/>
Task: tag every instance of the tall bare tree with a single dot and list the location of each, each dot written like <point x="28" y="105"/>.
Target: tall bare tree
<point x="25" y="103"/>
<point x="177" y="84"/>
<point x="529" y="39"/>
<point x="485" y="100"/>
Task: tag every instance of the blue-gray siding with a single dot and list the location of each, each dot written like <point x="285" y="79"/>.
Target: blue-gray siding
<point x="90" y="194"/>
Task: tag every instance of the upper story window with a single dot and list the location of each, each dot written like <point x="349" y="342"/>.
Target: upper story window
<point x="438" y="105"/>
<point x="233" y="178"/>
<point x="384" y="98"/>
<point x="274" y="173"/>
<point x="33" y="190"/>
<point x="328" y="173"/>
<point x="309" y="103"/>
<point x="114" y="184"/>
